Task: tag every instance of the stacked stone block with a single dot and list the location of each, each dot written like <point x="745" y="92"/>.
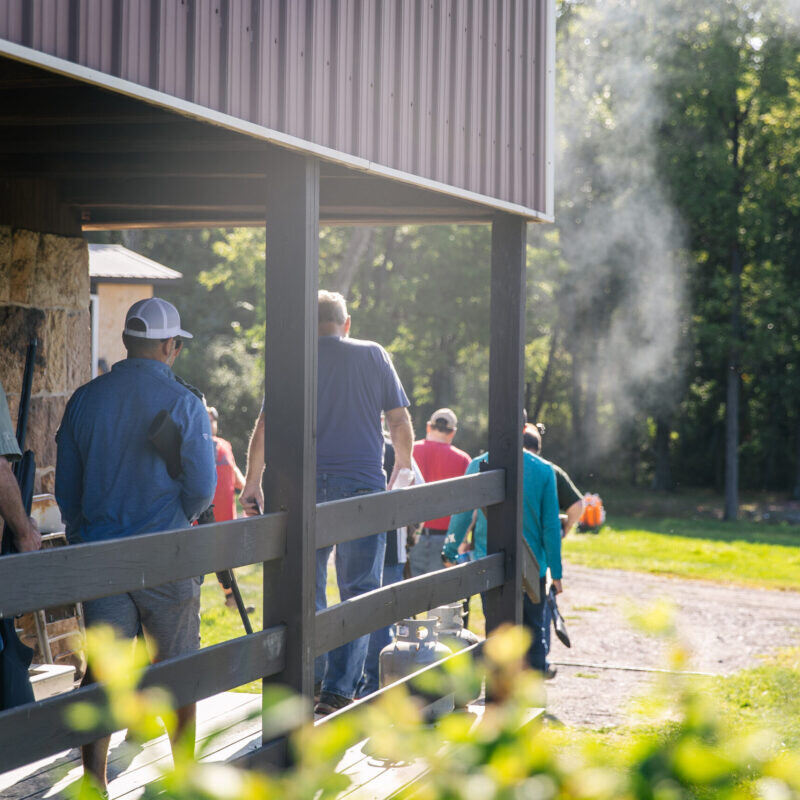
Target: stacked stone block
<point x="44" y="291"/>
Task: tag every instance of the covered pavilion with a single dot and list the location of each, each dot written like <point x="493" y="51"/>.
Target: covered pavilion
<point x="120" y="114"/>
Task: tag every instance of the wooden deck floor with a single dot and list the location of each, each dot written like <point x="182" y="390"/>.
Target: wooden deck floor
<point x="133" y="766"/>
<point x="233" y="717"/>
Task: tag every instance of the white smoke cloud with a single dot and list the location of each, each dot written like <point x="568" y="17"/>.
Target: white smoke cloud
<point x="620" y="235"/>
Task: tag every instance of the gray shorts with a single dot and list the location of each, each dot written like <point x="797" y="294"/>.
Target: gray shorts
<point x="426" y="555"/>
<point x="169" y="615"/>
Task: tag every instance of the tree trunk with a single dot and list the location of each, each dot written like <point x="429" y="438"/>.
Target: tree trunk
<point x="442" y="379"/>
<point x="662" y="475"/>
<point x="576" y="409"/>
<point x="732" y="395"/>
<point x="360" y="241"/>
<point x="528" y="398"/>
<point x="796" y="490"/>
<point x="541" y="393"/>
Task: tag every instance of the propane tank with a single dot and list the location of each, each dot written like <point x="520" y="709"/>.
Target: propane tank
<point x="416" y="645"/>
<point x="451" y="630"/>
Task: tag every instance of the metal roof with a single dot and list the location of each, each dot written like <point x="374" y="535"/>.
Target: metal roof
<point x="113" y="263"/>
<point x="454" y="96"/>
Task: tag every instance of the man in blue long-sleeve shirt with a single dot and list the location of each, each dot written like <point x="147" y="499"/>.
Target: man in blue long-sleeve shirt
<point x="112" y="483"/>
<point x="542" y="531"/>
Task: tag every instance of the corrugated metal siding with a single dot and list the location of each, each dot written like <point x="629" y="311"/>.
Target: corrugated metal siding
<point x="450" y="90"/>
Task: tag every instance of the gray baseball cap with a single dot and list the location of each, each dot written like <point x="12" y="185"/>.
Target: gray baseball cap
<point x="154" y="318"/>
<point x="444" y="417"/>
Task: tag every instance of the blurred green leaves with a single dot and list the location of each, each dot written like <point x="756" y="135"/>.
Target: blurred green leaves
<point x="505" y="753"/>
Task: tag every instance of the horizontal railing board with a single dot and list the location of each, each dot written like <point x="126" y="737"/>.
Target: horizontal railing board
<point x="470" y="652"/>
<point x="369" y="612"/>
<point x="37" y="730"/>
<point x="354" y="517"/>
<point x="31" y="581"/>
<point x="270" y="756"/>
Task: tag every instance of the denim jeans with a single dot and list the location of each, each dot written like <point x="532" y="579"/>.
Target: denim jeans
<point x="378" y="639"/>
<point x="533" y="619"/>
<point x="359" y="569"/>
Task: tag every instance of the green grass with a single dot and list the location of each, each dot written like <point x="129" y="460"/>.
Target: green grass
<point x="746" y="553"/>
<point x="768" y="695"/>
<point x="766" y="698"/>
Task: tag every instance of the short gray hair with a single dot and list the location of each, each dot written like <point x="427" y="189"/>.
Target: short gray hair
<point x="332" y="307"/>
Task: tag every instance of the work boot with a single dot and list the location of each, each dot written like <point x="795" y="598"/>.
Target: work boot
<point x="330" y="702"/>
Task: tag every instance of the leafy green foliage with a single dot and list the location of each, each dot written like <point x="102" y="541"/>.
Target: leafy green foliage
<point x="505" y="754"/>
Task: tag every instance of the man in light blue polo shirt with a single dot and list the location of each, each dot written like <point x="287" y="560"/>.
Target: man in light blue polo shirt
<point x="542" y="531"/>
<point x="356" y="381"/>
<point x="111" y="482"/>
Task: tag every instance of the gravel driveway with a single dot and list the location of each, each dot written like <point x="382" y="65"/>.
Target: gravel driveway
<point x="726" y="628"/>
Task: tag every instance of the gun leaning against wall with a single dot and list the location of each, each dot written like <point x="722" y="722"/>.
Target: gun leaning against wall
<point x="25" y="468"/>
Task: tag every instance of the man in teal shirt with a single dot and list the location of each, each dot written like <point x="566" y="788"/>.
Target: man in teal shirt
<point x="542" y="531"/>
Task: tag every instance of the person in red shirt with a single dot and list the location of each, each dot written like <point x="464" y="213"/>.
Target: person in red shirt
<point x="437" y="460"/>
<point x="229" y="479"/>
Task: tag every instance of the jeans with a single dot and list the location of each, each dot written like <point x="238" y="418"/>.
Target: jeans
<point x="533" y="618"/>
<point x="378" y="639"/>
<point x="359" y="569"/>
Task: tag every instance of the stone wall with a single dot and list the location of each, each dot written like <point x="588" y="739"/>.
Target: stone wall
<point x="44" y="291"/>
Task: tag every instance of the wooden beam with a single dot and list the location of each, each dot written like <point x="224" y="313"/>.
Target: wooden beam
<point x="368" y="194"/>
<point x="136" y="164"/>
<point x="345" y="520"/>
<point x="154" y="193"/>
<point x="37" y="730"/>
<point x="107" y="219"/>
<point x="74" y="105"/>
<point x="292" y="202"/>
<point x="172" y="135"/>
<point x="377" y="609"/>
<point x="506" y="349"/>
<point x="48" y="578"/>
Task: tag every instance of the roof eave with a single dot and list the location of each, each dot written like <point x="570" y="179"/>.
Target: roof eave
<point x="202" y="113"/>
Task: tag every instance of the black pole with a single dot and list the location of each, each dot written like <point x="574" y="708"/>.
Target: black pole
<point x="237" y="596"/>
<point x="25" y="399"/>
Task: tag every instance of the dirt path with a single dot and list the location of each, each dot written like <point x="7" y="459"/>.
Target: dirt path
<point x="726" y="628"/>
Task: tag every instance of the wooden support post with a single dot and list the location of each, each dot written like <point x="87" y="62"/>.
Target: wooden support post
<point x="290" y="410"/>
<point x="506" y="351"/>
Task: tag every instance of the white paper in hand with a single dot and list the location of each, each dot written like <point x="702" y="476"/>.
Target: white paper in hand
<point x="403" y="479"/>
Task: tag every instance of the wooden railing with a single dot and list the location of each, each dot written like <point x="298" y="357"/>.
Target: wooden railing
<point x="39" y="580"/>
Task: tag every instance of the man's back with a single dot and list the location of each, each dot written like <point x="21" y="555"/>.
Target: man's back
<point x="110" y="481"/>
<point x="439" y="461"/>
<point x="541" y="527"/>
<point x="356" y="381"/>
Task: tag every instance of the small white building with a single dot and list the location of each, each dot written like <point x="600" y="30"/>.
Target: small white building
<point x="119" y="277"/>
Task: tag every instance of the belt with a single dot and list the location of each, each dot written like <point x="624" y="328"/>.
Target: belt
<point x="432" y="532"/>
